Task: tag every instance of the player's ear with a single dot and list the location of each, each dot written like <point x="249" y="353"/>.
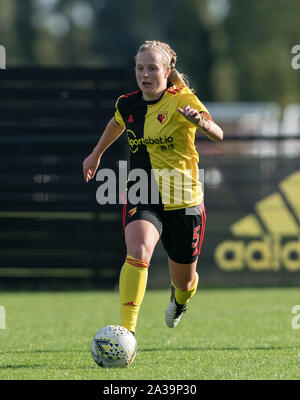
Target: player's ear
<point x="167" y="71"/>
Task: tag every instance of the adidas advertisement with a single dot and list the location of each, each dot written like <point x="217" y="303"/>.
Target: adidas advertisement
<point x="268" y="239"/>
<point x="252" y="232"/>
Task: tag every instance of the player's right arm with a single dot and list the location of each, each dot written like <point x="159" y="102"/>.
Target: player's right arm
<point x="90" y="165"/>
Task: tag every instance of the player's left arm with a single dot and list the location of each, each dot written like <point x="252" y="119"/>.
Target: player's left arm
<point x="203" y="122"/>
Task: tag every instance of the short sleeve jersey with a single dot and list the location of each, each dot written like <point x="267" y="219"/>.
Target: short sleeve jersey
<point x="162" y="144"/>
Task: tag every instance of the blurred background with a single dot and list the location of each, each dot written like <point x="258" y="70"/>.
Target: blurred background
<point x="67" y="61"/>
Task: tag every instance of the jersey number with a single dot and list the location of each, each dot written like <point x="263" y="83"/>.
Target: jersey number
<point x="196" y="237"/>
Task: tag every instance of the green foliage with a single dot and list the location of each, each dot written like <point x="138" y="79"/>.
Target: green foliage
<point x="261" y="35"/>
<point x="231" y="50"/>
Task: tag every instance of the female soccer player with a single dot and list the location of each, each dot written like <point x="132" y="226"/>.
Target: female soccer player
<point x="160" y="119"/>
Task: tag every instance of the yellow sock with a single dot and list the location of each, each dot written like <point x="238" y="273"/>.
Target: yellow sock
<point x="132" y="287"/>
<point x="183" y="297"/>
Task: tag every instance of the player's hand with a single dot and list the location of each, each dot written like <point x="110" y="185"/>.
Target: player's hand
<point x="90" y="165"/>
<point x="191" y="115"/>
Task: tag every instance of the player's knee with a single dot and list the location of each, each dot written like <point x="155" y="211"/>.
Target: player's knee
<point x="185" y="286"/>
<point x="140" y="251"/>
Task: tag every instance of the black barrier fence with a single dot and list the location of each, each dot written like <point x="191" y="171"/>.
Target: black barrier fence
<point x="52" y="229"/>
<point x="53" y="233"/>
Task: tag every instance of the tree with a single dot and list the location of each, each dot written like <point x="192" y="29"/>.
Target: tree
<point x="261" y="35"/>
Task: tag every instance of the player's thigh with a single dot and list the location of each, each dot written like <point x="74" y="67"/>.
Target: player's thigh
<point x="143" y="226"/>
<point x="183" y="234"/>
<point x="141" y="237"/>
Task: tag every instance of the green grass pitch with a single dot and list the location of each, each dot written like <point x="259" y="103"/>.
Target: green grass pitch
<point x="225" y="334"/>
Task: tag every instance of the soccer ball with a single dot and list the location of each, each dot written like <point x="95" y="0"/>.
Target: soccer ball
<point x="113" y="346"/>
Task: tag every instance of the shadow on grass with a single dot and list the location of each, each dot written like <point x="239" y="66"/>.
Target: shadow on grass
<point x="219" y="348"/>
<point x="11" y="366"/>
<point x="42" y="366"/>
<point x="42" y="351"/>
<point x="141" y="349"/>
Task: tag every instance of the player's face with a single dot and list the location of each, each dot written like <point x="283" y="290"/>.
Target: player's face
<point x="151" y="74"/>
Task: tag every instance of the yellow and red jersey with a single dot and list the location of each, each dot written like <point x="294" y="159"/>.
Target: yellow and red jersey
<point x="162" y="140"/>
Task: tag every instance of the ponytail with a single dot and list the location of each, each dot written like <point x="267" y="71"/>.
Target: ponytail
<point x="177" y="78"/>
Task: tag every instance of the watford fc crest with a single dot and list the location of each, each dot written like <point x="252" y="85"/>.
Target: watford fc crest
<point x="162" y="116"/>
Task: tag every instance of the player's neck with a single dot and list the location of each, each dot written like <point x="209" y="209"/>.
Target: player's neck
<point x="153" y="96"/>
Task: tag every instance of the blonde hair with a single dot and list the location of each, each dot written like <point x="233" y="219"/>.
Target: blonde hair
<point x="177" y="78"/>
